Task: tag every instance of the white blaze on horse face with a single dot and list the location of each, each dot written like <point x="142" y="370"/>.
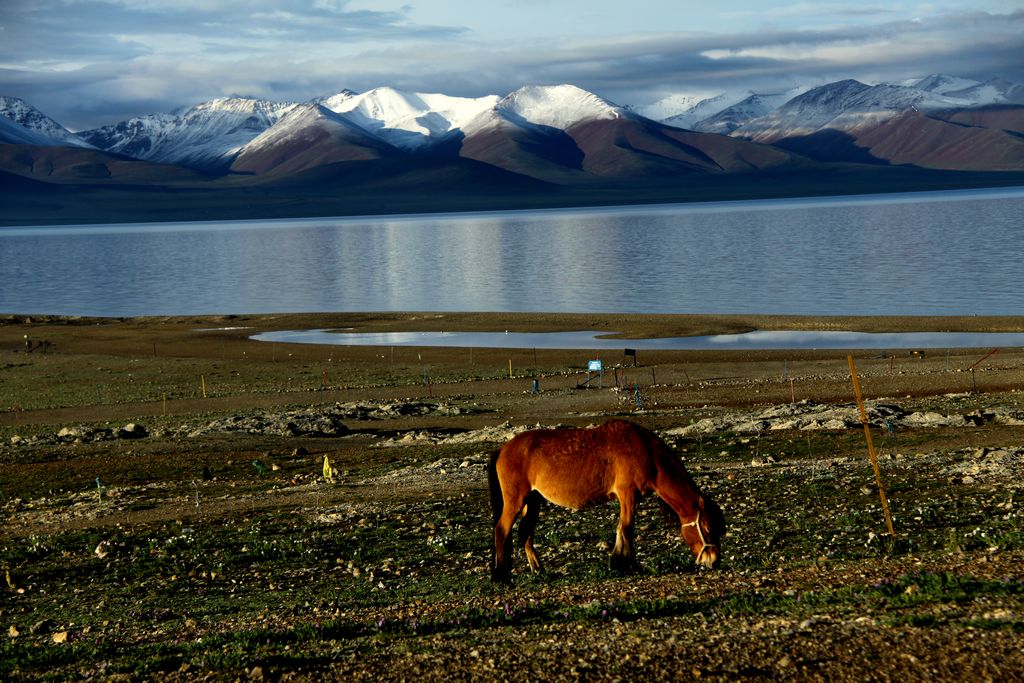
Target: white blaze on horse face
<point x="709" y="557"/>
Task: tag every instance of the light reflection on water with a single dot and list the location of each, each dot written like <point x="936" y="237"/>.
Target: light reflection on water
<point x="954" y="253"/>
<point x="757" y="340"/>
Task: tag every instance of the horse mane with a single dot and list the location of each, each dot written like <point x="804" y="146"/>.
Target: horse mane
<point x="665" y="457"/>
<point x="668" y="460"/>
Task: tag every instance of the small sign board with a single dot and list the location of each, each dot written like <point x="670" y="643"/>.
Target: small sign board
<point x="595" y="366"/>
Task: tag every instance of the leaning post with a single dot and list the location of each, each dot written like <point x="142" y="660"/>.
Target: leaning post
<point x="871" y="446"/>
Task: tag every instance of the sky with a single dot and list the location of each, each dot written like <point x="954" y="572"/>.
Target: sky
<point x="88" y="63"/>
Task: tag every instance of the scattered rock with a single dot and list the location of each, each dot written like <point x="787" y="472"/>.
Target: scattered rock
<point x="41" y="627"/>
<point x="132" y="431"/>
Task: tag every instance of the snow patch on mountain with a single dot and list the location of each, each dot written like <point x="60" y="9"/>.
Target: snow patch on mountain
<point x="333" y="102"/>
<point x="992" y="91"/>
<point x="704" y="109"/>
<point x="49" y="132"/>
<point x="544" y="109"/>
<point x="207" y="135"/>
<point x="941" y="84"/>
<point x="752" y="107"/>
<point x="965" y="90"/>
<point x="557" y="106"/>
<point x="301" y="119"/>
<point x="849" y="106"/>
<point x="408" y="120"/>
<point x="12" y="133"/>
<point x="672" y="105"/>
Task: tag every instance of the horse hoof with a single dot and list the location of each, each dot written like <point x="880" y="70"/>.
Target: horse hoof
<point x="621" y="564"/>
<point x="502" y="576"/>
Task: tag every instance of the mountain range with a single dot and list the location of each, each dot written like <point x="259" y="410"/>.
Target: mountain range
<point x="537" y="141"/>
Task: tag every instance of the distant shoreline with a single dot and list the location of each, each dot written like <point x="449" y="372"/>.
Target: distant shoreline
<point x="26" y="201"/>
<point x="619" y="326"/>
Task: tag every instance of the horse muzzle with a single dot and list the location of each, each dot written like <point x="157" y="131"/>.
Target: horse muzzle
<point x="708" y="555"/>
<point x="708" y="558"/>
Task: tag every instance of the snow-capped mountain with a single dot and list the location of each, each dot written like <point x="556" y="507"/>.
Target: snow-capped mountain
<point x="308" y="135"/>
<point x="668" y="106"/>
<point x="752" y="107"/>
<point x="557" y="106"/>
<point x="929" y="126"/>
<point x="207" y="135"/>
<point x="12" y="133"/>
<point x="334" y="101"/>
<point x="541" y="111"/>
<point x="847" y="106"/>
<point x="703" y="109"/>
<point x="829" y="122"/>
<point x="992" y="91"/>
<point x="563" y="134"/>
<point x="976" y="93"/>
<point x="393" y="151"/>
<point x="914" y="138"/>
<point x="19" y="111"/>
<point x="725" y="112"/>
<point x="566" y="135"/>
<point x="409" y="121"/>
<point x="526" y="131"/>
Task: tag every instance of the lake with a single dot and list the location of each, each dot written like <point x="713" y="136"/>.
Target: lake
<point x="589" y="339"/>
<point x="933" y="253"/>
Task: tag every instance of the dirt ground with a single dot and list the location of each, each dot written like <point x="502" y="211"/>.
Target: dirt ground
<point x="168" y="514"/>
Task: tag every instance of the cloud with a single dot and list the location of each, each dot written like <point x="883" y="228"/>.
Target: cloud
<point x="54" y="32"/>
<point x="92" y="62"/>
<point x="812" y="9"/>
<point x="973" y="45"/>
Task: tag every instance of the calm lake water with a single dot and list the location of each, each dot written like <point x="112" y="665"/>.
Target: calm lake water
<point x="759" y="339"/>
<point x="952" y="253"/>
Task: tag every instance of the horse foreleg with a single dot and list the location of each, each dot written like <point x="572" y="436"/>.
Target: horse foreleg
<point x="623" y="556"/>
<point x="526" y="528"/>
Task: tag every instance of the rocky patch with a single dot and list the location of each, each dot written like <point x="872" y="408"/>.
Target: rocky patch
<point x="329" y="421"/>
<point x="809" y="416"/>
<point x="314" y="422"/>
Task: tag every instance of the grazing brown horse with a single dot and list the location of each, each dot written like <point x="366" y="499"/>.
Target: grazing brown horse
<point x="580" y="468"/>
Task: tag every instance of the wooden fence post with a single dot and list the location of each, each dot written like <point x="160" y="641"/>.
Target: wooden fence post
<point x="871" y="447"/>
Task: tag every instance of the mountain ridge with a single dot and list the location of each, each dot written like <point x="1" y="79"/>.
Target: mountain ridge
<point x="543" y="142"/>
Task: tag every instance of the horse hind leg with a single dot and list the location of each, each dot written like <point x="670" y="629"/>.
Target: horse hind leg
<point x="527" y="527"/>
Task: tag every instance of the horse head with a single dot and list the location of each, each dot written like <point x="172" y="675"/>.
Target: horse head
<point x="704" y="533"/>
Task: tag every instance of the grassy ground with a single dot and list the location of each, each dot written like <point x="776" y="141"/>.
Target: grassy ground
<point x="201" y="553"/>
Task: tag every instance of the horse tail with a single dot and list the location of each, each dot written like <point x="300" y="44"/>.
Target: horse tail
<point x="497" y="500"/>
